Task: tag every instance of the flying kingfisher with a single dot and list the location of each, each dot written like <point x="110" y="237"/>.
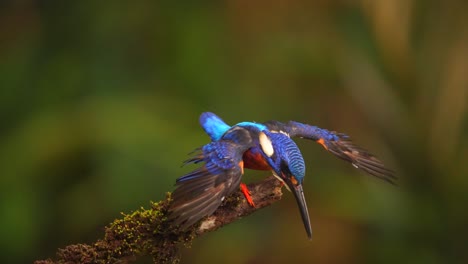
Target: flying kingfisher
<point x="258" y="146"/>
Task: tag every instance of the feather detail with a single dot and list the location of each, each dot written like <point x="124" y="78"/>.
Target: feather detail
<point x="200" y="192"/>
<point x="360" y="158"/>
<point x="338" y="144"/>
<point x="213" y="125"/>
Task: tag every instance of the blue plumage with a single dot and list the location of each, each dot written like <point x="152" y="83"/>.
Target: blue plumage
<point x="213" y="125"/>
<point x="303" y="130"/>
<point x="258" y="126"/>
<point x="263" y="146"/>
<point x="289" y="154"/>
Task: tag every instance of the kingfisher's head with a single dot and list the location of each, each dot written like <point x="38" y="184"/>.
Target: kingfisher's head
<point x="287" y="163"/>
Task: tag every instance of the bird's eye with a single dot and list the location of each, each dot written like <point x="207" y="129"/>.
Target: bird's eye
<point x="266" y="145"/>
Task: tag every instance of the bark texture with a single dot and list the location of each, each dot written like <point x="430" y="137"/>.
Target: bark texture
<point x="148" y="232"/>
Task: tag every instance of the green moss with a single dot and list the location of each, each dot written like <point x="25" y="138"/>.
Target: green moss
<point x="142" y="232"/>
<point x="146" y="232"/>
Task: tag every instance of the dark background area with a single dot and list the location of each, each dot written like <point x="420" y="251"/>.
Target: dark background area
<point x="99" y="106"/>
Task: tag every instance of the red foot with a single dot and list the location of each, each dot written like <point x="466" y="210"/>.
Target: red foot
<point x="246" y="193"/>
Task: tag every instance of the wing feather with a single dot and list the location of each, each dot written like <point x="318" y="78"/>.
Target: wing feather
<point x="200" y="192"/>
<point x="345" y="149"/>
<point x="338" y="144"/>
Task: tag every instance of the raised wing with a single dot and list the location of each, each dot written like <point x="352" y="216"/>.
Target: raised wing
<point x="339" y="145"/>
<point x="200" y="192"/>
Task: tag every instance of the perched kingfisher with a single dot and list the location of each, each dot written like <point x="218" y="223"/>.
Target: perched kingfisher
<point x="258" y="146"/>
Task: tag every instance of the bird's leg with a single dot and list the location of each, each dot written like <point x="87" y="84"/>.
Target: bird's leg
<point x="246" y="193"/>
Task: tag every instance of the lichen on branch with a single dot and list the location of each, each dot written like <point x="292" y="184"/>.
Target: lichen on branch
<point x="148" y="231"/>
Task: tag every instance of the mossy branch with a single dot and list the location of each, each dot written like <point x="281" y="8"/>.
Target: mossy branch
<point x="148" y="232"/>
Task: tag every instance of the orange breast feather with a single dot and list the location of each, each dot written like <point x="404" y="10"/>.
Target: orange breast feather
<point x="255" y="161"/>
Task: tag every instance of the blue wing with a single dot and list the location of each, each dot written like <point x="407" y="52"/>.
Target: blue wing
<point x="339" y="145"/>
<point x="213" y="125"/>
<point x="200" y="192"/>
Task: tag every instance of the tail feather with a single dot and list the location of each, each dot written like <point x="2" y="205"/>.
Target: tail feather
<point x="213" y="125"/>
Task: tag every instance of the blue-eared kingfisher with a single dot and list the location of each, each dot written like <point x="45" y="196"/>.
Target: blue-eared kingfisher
<point x="258" y="146"/>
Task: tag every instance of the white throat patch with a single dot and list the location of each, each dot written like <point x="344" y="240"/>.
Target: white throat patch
<point x="266" y="145"/>
<point x="281" y="180"/>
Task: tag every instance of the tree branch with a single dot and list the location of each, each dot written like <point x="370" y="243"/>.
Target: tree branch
<point x="148" y="232"/>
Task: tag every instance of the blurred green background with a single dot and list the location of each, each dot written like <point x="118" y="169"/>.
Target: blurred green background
<point x="99" y="105"/>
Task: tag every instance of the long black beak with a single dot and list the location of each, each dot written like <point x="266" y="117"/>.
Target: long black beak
<point x="301" y="202"/>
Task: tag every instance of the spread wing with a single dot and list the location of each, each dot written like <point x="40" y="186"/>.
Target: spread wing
<point x="200" y="192"/>
<point x="339" y="145"/>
